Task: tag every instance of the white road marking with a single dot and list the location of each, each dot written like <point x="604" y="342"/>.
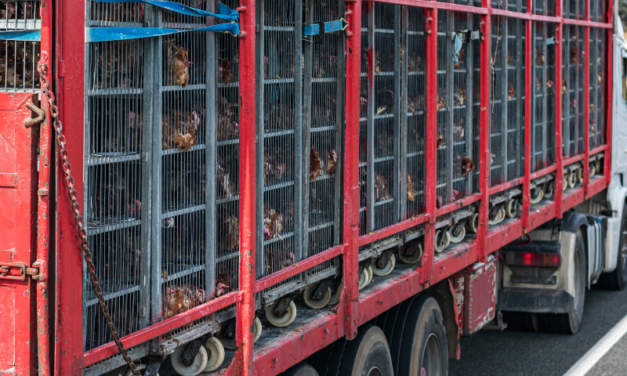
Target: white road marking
<point x="595" y="354"/>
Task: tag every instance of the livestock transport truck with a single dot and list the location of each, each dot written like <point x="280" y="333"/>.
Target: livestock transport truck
<point x="302" y="187"/>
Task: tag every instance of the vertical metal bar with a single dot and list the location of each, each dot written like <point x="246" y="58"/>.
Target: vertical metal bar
<point x="247" y="151"/>
<point x="397" y="114"/>
<point x="306" y="125"/>
<point x="86" y="176"/>
<point x="402" y="198"/>
<point x="299" y="178"/>
<point x="211" y="151"/>
<point x="470" y="101"/>
<point x="450" y="95"/>
<point x="372" y="49"/>
<point x="565" y="75"/>
<point x="558" y="117"/>
<point x="545" y="93"/>
<point x="504" y="101"/>
<point x="156" y="137"/>
<point x="431" y="41"/>
<point x="260" y="113"/>
<point x="586" y="106"/>
<point x="520" y="104"/>
<point x="339" y="134"/>
<point x="609" y="74"/>
<point x="484" y="164"/>
<point x="351" y="168"/>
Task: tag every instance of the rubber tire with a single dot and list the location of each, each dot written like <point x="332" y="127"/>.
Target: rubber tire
<point x="520" y="321"/>
<point x="213" y="345"/>
<point x="473" y="223"/>
<point x="316" y="304"/>
<point x="301" y="369"/>
<point x="511" y="208"/>
<point x="538" y="198"/>
<point x="617" y="279"/>
<point x="413" y="259"/>
<point x="140" y="367"/>
<point x="284" y="321"/>
<point x="258" y="329"/>
<point x="389" y="267"/>
<point x="335" y="297"/>
<point x="423" y="321"/>
<point x="368" y="350"/>
<point x="447" y="241"/>
<point x="197" y="367"/>
<point x="569" y="323"/>
<point x="370" y="275"/>
<point x="459" y="238"/>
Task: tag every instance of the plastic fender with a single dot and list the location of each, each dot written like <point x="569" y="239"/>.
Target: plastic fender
<point x="616" y="196"/>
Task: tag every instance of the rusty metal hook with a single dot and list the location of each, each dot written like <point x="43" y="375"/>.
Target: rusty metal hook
<point x="40" y="115"/>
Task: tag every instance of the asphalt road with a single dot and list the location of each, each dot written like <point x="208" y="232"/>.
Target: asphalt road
<point x="508" y="353"/>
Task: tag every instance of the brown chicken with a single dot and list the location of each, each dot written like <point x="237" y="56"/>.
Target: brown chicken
<point x="510" y="60"/>
<point x="232" y="238"/>
<point x="9" y="77"/>
<point x="273" y="224"/>
<point x="179" y="123"/>
<point x="315" y="165"/>
<point x="599" y="78"/>
<point x="277" y="259"/>
<point x="377" y="68"/>
<point x="175" y="302"/>
<point x="511" y="92"/>
<point x="573" y="55"/>
<point x="564" y="86"/>
<point x="381" y="188"/>
<point x="540" y="58"/>
<point x="332" y="162"/>
<point x="222" y="285"/>
<point x="460" y="59"/>
<point x="459" y="97"/>
<point x="441" y="104"/>
<point x="467" y="166"/>
<point x="178" y="56"/>
<point x="224" y="182"/>
<point x="225" y="70"/>
<point x="187" y="140"/>
<point x="440" y="141"/>
<point x="591" y="107"/>
<point x="411" y="188"/>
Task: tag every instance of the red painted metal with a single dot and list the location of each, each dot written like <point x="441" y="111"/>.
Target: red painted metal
<point x="505" y="186"/>
<point x="391" y="230"/>
<point x="458" y="204"/>
<point x="351" y="169"/>
<point x="528" y="122"/>
<point x="246" y="305"/>
<point x="571" y="160"/>
<point x="479" y="293"/>
<point x="431" y="53"/>
<point x="435" y="5"/>
<point x="18" y="211"/>
<point x="297" y="268"/>
<point x="601" y="25"/>
<point x="586" y="107"/>
<point x="608" y="95"/>
<point x="70" y="86"/>
<point x="545" y="171"/>
<point x="484" y="132"/>
<point x="598" y="149"/>
<point x="559" y="156"/>
<point x="163" y="327"/>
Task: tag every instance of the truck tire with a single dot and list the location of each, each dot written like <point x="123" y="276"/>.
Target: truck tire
<point x="617" y="280"/>
<point x="301" y="369"/>
<point x="424" y="348"/>
<point x="569" y="323"/>
<point x="367" y="355"/>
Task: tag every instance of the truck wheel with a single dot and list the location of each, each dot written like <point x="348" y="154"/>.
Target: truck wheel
<point x="424" y="349"/>
<point x="312" y="303"/>
<point x="215" y="352"/>
<point x="387" y="269"/>
<point x="301" y="369"/>
<point x="366" y="355"/>
<point x="197" y="366"/>
<point x="568" y="323"/>
<point x="281" y="322"/>
<point x="617" y="280"/>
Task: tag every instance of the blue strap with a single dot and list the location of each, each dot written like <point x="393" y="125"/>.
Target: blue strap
<point x="105" y="34"/>
<point x="25" y="35"/>
<point x="328" y="27"/>
<point x="458" y="40"/>
<point x="224" y="12"/>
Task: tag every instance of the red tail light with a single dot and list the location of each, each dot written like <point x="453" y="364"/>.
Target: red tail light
<point x="551" y="260"/>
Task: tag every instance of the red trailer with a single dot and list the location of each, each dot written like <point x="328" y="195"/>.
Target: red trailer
<point x="309" y="187"/>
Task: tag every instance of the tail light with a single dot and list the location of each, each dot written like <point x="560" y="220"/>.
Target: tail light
<point x="550" y="260"/>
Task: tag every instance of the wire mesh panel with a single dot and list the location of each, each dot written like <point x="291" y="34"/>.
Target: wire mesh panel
<point x="18" y="59"/>
<point x="572" y="87"/>
<point x="597" y="85"/>
<point x="280" y="152"/>
<point x="545" y="7"/>
<point x="413" y="114"/>
<point x="574" y="9"/>
<point x="227" y="163"/>
<point x="322" y="124"/>
<point x="543" y="103"/>
<point x="517" y="5"/>
<point x="383" y="113"/>
<point x="116" y="183"/>
<point x="363" y="120"/>
<point x="458" y="94"/>
<point x="598" y="8"/>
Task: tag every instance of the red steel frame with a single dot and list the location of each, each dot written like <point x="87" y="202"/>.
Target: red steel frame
<point x="355" y="309"/>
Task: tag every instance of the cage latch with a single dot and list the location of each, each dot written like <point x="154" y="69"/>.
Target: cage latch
<point x="40" y="115"/>
<point x="16" y="271"/>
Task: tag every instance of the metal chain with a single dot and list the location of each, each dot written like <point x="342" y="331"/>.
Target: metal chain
<point x="78" y="220"/>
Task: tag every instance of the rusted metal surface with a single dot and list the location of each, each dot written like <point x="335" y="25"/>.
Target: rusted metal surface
<point x="479" y="291"/>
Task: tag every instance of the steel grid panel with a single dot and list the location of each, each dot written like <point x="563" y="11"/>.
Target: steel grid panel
<point x="516" y="5"/>
<point x="543" y="108"/>
<point x="18" y="59"/>
<point x="572" y="87"/>
<point x="381" y="137"/>
<point x="280" y="155"/>
<point x="545" y="7"/>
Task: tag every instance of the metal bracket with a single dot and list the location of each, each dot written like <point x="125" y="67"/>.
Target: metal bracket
<point x="24" y="271"/>
<point x="40" y="115"/>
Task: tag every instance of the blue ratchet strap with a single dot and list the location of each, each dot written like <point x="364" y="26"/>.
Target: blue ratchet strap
<point x="316" y="30"/>
<point x="458" y="41"/>
<point x="24" y="35"/>
<point x="224" y="12"/>
<point x="105" y="34"/>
